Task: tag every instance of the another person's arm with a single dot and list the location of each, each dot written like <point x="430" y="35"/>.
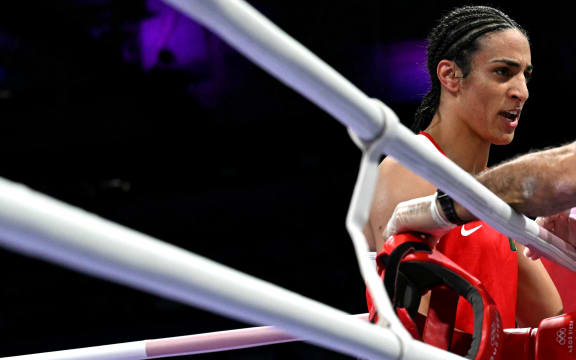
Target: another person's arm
<point x="537" y="184"/>
<point x="541" y="183"/>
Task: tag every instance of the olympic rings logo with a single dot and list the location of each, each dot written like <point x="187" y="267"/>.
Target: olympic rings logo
<point x="495" y="333"/>
<point x="561" y="336"/>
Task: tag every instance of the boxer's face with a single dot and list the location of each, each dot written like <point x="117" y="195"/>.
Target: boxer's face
<point x="493" y="93"/>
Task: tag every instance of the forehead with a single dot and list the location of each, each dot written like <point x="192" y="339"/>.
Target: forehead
<point x="509" y="44"/>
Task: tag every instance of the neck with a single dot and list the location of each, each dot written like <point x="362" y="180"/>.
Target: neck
<point x="460" y="144"/>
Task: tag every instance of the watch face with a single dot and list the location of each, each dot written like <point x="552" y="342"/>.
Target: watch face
<point x="447" y="205"/>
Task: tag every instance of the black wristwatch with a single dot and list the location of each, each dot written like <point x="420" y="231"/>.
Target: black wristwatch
<point x="447" y="205"/>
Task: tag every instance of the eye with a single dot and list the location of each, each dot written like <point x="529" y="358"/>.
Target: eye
<point x="528" y="76"/>
<point x="503" y="71"/>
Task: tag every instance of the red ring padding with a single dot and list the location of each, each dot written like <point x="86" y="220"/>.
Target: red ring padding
<point x="409" y="268"/>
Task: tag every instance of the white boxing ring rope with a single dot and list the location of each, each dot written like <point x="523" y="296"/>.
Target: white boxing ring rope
<point x="45" y="228"/>
<point x="174" y="346"/>
<point x="261" y="41"/>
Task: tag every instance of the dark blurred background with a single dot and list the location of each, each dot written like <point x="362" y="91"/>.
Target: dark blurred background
<point x="132" y="111"/>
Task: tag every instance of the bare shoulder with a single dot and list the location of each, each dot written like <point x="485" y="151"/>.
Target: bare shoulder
<point x="399" y="183"/>
<point x="396" y="183"/>
<point x="392" y="170"/>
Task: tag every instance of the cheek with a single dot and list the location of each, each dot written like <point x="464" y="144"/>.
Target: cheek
<point x="478" y="109"/>
<point x="483" y="102"/>
<point x="475" y="106"/>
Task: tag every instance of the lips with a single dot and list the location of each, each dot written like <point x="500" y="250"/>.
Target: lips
<point x="510" y="118"/>
<point x="511" y="115"/>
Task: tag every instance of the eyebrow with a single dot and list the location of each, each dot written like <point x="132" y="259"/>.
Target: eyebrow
<point x="512" y="63"/>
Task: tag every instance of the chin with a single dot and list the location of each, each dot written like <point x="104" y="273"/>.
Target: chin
<point x="503" y="140"/>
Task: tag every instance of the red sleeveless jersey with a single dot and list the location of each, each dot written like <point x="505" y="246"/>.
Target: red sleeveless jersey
<point x="488" y="255"/>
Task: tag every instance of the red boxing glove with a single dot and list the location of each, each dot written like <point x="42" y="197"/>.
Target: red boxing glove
<point x="409" y="268"/>
<point x="552" y="340"/>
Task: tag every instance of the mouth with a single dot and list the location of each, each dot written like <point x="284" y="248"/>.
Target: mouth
<point x="511" y="117"/>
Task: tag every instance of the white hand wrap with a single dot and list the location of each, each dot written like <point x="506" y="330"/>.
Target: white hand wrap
<point x="419" y="215"/>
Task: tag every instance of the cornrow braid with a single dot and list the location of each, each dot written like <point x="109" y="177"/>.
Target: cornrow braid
<point x="455" y="38"/>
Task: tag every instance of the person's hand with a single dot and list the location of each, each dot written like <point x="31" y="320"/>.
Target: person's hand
<point x="419" y="215"/>
<point x="562" y="225"/>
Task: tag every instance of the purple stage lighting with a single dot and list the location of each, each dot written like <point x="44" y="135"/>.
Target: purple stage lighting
<point x="400" y="69"/>
<point x="170" y="39"/>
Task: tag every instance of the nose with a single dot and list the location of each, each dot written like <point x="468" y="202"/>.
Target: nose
<point x="519" y="89"/>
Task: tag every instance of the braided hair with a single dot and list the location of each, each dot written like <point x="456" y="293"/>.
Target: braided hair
<point x="456" y="37"/>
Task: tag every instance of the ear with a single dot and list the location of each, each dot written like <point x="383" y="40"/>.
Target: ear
<point x="449" y="75"/>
